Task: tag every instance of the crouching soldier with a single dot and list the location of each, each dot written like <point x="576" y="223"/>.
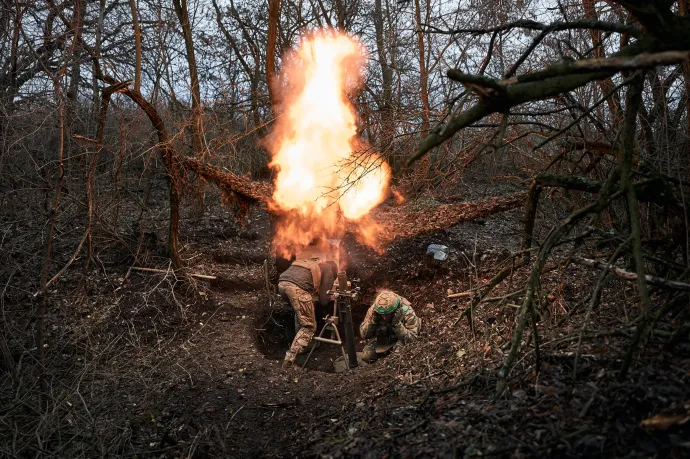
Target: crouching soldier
<point x="389" y="322"/>
<point x="303" y="280"/>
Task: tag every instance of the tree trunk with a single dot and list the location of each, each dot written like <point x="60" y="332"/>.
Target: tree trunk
<point x="52" y="217"/>
<point x="172" y="166"/>
<point x="385" y="104"/>
<point x="423" y="74"/>
<point x="75" y="75"/>
<point x="97" y="53"/>
<point x="253" y="74"/>
<point x="183" y="15"/>
<point x="340" y="13"/>
<point x="422" y="173"/>
<point x="273" y="19"/>
<point x="8" y="82"/>
<point x="137" y="44"/>
<point x="14" y="52"/>
<point x="72" y="96"/>
<point x="683" y="10"/>
<point x="605" y="84"/>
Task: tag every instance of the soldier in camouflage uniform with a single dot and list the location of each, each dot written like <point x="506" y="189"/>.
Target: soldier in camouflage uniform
<point x="389" y="322"/>
<point x="304" y="281"/>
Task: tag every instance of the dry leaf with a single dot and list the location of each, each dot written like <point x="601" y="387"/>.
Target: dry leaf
<point x="663" y="422"/>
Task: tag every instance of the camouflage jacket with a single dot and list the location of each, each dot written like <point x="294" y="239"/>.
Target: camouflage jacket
<point x="404" y="327"/>
<point x="316" y="278"/>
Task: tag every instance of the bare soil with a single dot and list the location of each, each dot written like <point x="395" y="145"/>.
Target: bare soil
<point x="147" y="365"/>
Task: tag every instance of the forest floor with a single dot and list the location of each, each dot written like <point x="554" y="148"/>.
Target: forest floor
<point x="142" y="364"/>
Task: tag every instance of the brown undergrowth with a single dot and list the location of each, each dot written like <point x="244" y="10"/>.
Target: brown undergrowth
<point x="149" y="365"/>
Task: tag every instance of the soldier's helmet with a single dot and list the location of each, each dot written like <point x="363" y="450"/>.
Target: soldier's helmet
<point x="386" y="302"/>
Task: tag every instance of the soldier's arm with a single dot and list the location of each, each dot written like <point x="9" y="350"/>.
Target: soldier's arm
<point x="368" y="328"/>
<point x="407" y="329"/>
<point x="327" y="279"/>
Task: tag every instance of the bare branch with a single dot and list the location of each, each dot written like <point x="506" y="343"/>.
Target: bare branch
<point x="552" y="81"/>
<point x="614" y="64"/>
<point x="534" y="25"/>
<point x="627" y="275"/>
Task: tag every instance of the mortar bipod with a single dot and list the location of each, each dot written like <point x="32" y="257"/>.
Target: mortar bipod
<point x="332" y="326"/>
<point x="343" y="295"/>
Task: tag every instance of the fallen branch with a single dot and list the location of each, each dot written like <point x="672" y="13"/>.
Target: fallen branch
<point x="410" y="430"/>
<point x="252" y="190"/>
<point x="627" y="275"/>
<point x="677" y="334"/>
<point x="438" y="217"/>
<point x="484" y="290"/>
<point x="163" y="271"/>
<point x="648" y="190"/>
<point x="288" y="404"/>
<point x="503" y="298"/>
<point x="487" y="300"/>
<point x="64" y="268"/>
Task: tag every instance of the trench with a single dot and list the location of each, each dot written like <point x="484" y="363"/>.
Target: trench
<point x="275" y="328"/>
<point x="367" y="269"/>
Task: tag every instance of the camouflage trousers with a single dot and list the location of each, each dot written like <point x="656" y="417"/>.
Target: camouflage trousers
<point x="302" y="304"/>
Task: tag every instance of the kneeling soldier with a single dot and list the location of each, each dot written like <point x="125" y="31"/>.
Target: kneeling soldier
<point x="302" y="279"/>
<point x="389" y="322"/>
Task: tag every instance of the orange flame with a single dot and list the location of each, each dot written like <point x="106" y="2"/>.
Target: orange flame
<point x="322" y="182"/>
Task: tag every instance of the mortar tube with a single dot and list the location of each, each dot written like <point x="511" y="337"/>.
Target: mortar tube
<point x="349" y="334"/>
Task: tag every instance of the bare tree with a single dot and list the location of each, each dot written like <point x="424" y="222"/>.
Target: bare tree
<point x="273" y="19"/>
<point x="662" y="44"/>
<point x="385" y="99"/>
<point x="182" y="11"/>
<point x="137" y="45"/>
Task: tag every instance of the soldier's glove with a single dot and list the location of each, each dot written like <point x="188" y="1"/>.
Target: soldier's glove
<point x="399" y="329"/>
<point x="287" y="364"/>
<point x="376" y="318"/>
<point x="398" y="317"/>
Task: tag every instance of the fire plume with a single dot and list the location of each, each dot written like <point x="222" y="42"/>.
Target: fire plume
<point x="326" y="176"/>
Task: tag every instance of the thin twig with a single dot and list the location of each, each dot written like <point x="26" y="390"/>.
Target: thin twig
<point x="627" y="275"/>
<point x="595" y="298"/>
<point x="64" y="268"/>
<point x="583" y="115"/>
<point x="163" y="271"/>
